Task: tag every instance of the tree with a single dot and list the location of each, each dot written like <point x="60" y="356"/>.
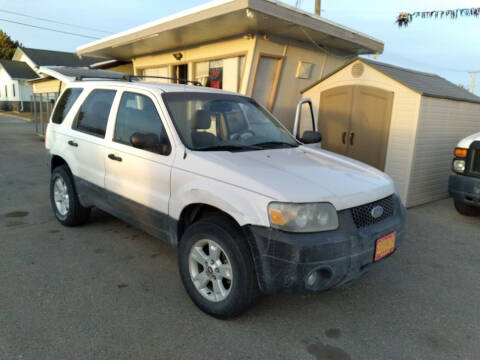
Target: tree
<point x="7" y="46"/>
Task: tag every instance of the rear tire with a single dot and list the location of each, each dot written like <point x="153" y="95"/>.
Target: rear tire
<point x="466" y="210"/>
<point x="64" y="199"/>
<point x="221" y="281"/>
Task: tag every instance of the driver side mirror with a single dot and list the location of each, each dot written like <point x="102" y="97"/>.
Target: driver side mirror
<point x="311" y="137"/>
<point x="151" y="142"/>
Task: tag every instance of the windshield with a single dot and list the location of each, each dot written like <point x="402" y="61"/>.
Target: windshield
<point x="211" y="122"/>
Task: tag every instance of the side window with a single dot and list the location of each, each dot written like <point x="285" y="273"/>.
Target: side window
<point x="93" y="114"/>
<point x="139" y="125"/>
<point x="65" y="103"/>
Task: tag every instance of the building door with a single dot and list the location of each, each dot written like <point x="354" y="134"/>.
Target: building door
<point x="355" y="121"/>
<point x="181" y="73"/>
<point x="266" y="78"/>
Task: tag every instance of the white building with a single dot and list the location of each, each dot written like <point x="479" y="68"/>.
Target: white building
<point x="15" y="93"/>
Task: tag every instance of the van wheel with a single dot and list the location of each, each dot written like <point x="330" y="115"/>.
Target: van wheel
<point x="216" y="268"/>
<point x="63" y="197"/>
<point x="466" y="210"/>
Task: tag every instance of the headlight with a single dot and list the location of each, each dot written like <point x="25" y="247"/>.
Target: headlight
<point x="309" y="217"/>
<point x="459" y="166"/>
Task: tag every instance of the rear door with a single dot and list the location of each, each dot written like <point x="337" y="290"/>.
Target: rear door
<point x="87" y="144"/>
<point x="138" y="179"/>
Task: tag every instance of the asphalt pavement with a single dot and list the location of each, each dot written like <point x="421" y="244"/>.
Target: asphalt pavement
<point x="106" y="290"/>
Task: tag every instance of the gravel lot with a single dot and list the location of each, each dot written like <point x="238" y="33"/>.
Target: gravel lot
<point x="109" y="291"/>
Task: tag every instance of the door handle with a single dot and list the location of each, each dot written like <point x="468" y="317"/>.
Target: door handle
<point x="351" y="138"/>
<point x="72" y="143"/>
<point x="114" y="157"/>
<point x="344" y="135"/>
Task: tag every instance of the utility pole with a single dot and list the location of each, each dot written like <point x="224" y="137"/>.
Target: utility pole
<point x="317" y="7"/>
<point x="474" y="80"/>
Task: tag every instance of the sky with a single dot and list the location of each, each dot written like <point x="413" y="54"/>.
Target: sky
<point x="449" y="48"/>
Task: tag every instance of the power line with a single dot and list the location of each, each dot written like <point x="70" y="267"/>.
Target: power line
<point x="54" y="21"/>
<point x="50" y="29"/>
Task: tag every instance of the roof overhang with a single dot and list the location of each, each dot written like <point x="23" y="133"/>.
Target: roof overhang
<point x="222" y="19"/>
<point x="68" y="74"/>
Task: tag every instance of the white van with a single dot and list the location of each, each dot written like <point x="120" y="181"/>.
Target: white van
<point x="464" y="182"/>
<point x="250" y="208"/>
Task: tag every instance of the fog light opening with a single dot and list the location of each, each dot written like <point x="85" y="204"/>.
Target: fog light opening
<point x="319" y="278"/>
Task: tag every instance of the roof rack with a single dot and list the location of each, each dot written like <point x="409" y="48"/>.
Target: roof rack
<point x="130" y="78"/>
<point x="179" y="80"/>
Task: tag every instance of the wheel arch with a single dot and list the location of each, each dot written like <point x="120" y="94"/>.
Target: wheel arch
<point x="56" y="161"/>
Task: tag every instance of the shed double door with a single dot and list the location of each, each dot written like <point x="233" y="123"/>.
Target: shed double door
<point x="355" y="121"/>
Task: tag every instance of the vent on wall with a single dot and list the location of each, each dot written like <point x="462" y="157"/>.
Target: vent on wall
<point x="357" y="70"/>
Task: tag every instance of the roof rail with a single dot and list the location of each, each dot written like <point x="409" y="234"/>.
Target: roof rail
<point x="89" y="77"/>
<point x="179" y="80"/>
<point x="130" y="78"/>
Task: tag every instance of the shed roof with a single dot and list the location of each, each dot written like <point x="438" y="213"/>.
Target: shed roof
<point x="427" y="84"/>
<point x="58" y="58"/>
<point x="18" y="69"/>
<point x="223" y="19"/>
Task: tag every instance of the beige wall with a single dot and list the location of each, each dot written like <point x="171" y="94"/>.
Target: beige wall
<point x="125" y="68"/>
<point x="442" y="123"/>
<point x="47" y="86"/>
<point x="291" y="52"/>
<point x="289" y="86"/>
<point x="403" y="126"/>
<point x="218" y="50"/>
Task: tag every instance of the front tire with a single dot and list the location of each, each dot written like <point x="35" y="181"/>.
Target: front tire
<point x="466" y="210"/>
<point x="64" y="199"/>
<point x="216" y="268"/>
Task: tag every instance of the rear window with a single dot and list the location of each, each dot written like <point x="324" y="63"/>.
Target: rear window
<point x="65" y="103"/>
<point x="93" y="114"/>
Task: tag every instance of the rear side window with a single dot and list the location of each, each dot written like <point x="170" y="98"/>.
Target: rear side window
<point x="93" y="114"/>
<point x="65" y="103"/>
<point x="137" y="115"/>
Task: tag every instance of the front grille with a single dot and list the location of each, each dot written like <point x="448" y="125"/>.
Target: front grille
<point x="362" y="215"/>
<point x="475" y="161"/>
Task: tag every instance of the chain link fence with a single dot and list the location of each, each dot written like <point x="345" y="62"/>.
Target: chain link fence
<point x="42" y="107"/>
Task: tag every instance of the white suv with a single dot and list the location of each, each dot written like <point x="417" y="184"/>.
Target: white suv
<point x="250" y="208"/>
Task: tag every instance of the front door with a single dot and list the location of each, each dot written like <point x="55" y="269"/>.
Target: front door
<point x="355" y="121"/>
<point x="137" y="177"/>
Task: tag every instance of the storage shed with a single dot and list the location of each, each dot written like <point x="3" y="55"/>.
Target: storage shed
<point x="401" y="121"/>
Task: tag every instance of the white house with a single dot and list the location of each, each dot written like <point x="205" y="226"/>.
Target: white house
<point x="15" y="93"/>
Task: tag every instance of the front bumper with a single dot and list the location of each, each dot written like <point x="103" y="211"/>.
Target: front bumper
<point x="284" y="261"/>
<point x="465" y="189"/>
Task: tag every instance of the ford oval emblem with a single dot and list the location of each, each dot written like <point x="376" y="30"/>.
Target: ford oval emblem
<point x="376" y="211"/>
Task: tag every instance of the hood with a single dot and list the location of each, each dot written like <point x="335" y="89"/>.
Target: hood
<point x="299" y="174"/>
<point x="466" y="142"/>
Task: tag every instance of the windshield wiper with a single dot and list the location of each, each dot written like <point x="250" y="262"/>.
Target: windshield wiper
<point x="275" y="143"/>
<point x="229" y="148"/>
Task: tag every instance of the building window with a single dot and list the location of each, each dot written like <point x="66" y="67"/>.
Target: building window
<point x="223" y="74"/>
<point x="13" y="88"/>
<point x="6" y="91"/>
